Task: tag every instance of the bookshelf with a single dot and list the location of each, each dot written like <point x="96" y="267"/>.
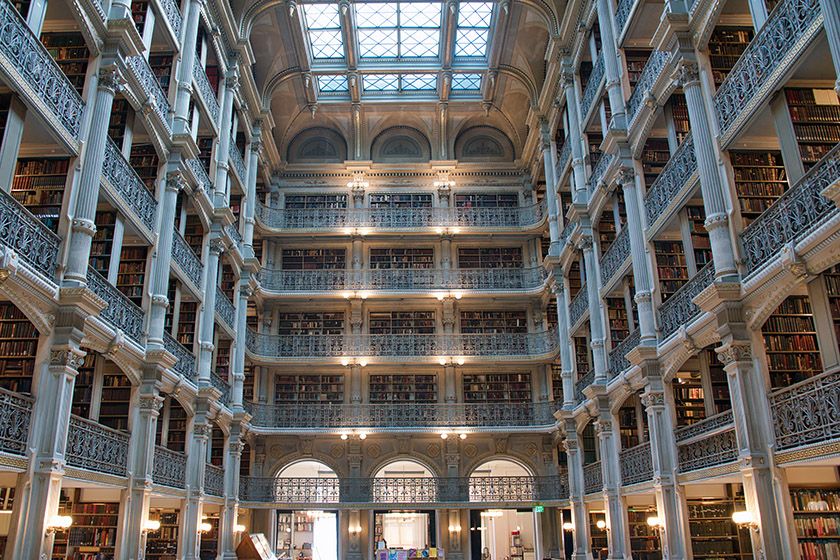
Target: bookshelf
<point x="644" y="539"/>
<point x="671" y="267"/>
<point x="223" y="359"/>
<point x="403" y="388"/>
<point x="617" y="314"/>
<point x="93" y="533"/>
<point x="760" y="178"/>
<point x="487" y="200"/>
<point x="314" y="259"/>
<point x="118" y="121"/>
<point x="815" y="114"/>
<point x="131" y="276"/>
<point x="494" y="322"/>
<point x="39" y="185"/>
<point x="176" y="438"/>
<point x="163" y="543"/>
<point x="194" y="233"/>
<point x="408" y="200"/>
<point x="227" y="281"/>
<point x="582" y="361"/>
<point x="5" y="106"/>
<point x="636" y="60"/>
<point x="411" y="257"/>
<point x="490" y="257"/>
<point x="205" y="151"/>
<point x="311" y="323"/>
<point x="497" y="387"/>
<point x="655" y="156"/>
<point x="316" y="201"/>
<point x="689" y="400"/>
<point x="213" y="77"/>
<point x="144" y="160"/>
<point x="606" y="233"/>
<point x="831" y="277"/>
<point x="309" y="388"/>
<point x="83" y="386"/>
<point x="116" y="399"/>
<point x="245" y="461"/>
<point x="700" y="243"/>
<point x="187" y="323"/>
<point x="816" y="516"/>
<point x="790" y="343"/>
<point x="249" y="382"/>
<point x="401" y="322"/>
<point x="209" y="546"/>
<point x="725" y="47"/>
<point x="598" y="536"/>
<point x="217" y="447"/>
<point x="713" y="534"/>
<point x="557" y="382"/>
<point x="679" y="113"/>
<point x="161" y="65"/>
<point x="628" y="426"/>
<point x="719" y="383"/>
<point x="574" y="279"/>
<point x="103" y="240"/>
<point x="22" y="6"/>
<point x="594" y="140"/>
<point x="71" y="53"/>
<point x="138" y="14"/>
<point x="18" y="345"/>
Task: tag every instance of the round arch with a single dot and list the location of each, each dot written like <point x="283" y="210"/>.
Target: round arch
<point x="306" y="468"/>
<point x="403" y="144"/>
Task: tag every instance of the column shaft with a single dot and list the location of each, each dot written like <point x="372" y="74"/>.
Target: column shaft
<point x="596" y="318"/>
<point x="208" y="316"/>
<point x="638" y="257"/>
<point x="181" y="122"/>
<point x="160" y="273"/>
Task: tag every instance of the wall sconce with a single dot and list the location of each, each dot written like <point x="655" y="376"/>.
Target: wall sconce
<point x="355" y="530"/>
<point x="745" y="519"/>
<point x="601" y="524"/>
<point x="462" y="436"/>
<point x="449" y="184"/>
<point x="151" y="525"/>
<point x="59" y="523"/>
<point x="238" y="528"/>
<point x="567" y="526"/>
<point x="205" y="527"/>
<point x="454" y="528"/>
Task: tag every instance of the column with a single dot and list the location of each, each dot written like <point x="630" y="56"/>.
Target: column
<point x="596" y="318"/>
<point x="572" y="111"/>
<point x="241" y="330"/>
<point x="230" y="512"/>
<point x="223" y="141"/>
<point x="251" y="194"/>
<point x="83" y="228"/>
<point x="358" y="254"/>
<point x="831" y="24"/>
<point x="160" y="272"/>
<point x="208" y="316"/>
<point x="638" y="256"/>
<point x="717" y="220"/>
<point x="181" y="122"/>
<point x="550" y="189"/>
<point x="196" y="460"/>
<point x="618" y="539"/>
<point x="567" y="366"/>
<point x="11" y="139"/>
<point x="611" y="71"/>
<point x="446" y="251"/>
<point x="574" y="456"/>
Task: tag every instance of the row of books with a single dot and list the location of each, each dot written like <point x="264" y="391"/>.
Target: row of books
<point x="18" y="330"/>
<point x="817" y="132"/>
<point x="814" y="113"/>
<point x="819" y="526"/>
<point x="18" y="347"/>
<point x="760" y="174"/>
<point x="761" y="189"/>
<point x="756" y="158"/>
<point x="796" y="324"/>
<point x="806" y="363"/>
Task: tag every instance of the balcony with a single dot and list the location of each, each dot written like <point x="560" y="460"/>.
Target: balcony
<point x="222" y="386"/>
<point x="765" y="64"/>
<point x="127" y="191"/>
<point x="672" y="186"/>
<point x="224" y="310"/>
<point x="295" y="220"/>
<point x="169" y="468"/>
<point x="120" y="312"/>
<point x="404" y="280"/>
<point x="582" y="384"/>
<point x="27" y="236"/>
<point x="187" y="261"/>
<point x="622" y="16"/>
<point x="593" y="478"/>
<point x="679" y="309"/>
<point x="600" y="169"/>
<point x="205" y="92"/>
<point x="616" y="257"/>
<point x="642" y="93"/>
<point x="150" y="86"/>
<point x="297" y="348"/>
<point x="238" y="164"/>
<point x="94" y="447"/>
<point x="15" y="417"/>
<point x="186" y="360"/>
<point x="805" y="414"/>
<point x="199" y="174"/>
<point x="563" y="158"/>
<point x="398" y="417"/>
<point x="214" y="480"/>
<point x="31" y="70"/>
<point x="636" y="464"/>
<point x="578" y="306"/>
<point x="172" y="11"/>
<point x="593" y="88"/>
<point x="618" y="361"/>
<point x="708" y="443"/>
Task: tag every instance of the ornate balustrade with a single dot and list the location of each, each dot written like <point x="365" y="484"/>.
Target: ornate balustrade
<point x="151" y="87"/>
<point x="636" y="464"/>
<point x="31" y="68"/>
<point x="121" y="178"/>
<point x="169" y="468"/>
<point x="15" y="417"/>
<point x="173" y="15"/>
<point x="94" y="447"/>
<point x="491" y="279"/>
<point x="404" y="416"/>
<point x="701" y="429"/>
<point x="771" y="54"/>
<point x="233" y="232"/>
<point x="27" y="236"/>
<point x="214" y="480"/>
<point x="679" y="309"/>
<point x="618" y="356"/>
<point x="186" y="259"/>
<point x="198" y="172"/>
<point x="717" y="449"/>
<point x="518" y="217"/>
<point x="622" y="14"/>
<point x="593" y="87"/>
<point x="566" y="234"/>
<point x="236" y="160"/>
<point x="793" y="215"/>
<point x="223" y="386"/>
<point x="224" y="309"/>
<point x="616" y="256"/>
<point x="582" y="384"/>
<point x="600" y="169"/>
<point x="563" y="158"/>
<point x="579" y="305"/>
<point x="593" y="478"/>
<point x="205" y="91"/>
<point x="806" y="413"/>
<point x="668" y="188"/>
<point x="403" y="346"/>
<point x="186" y="360"/>
<point x="654" y="66"/>
<point x="120" y="312"/>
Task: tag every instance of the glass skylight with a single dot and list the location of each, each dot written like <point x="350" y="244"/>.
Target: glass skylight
<point x="375" y="83"/>
<point x="381" y="82"/>
<point x="473" y="29"/>
<point x="419" y="82"/>
<point x="398" y="29"/>
<point x="332" y="83"/>
<point x="324" y="30"/>
<point x="466" y="82"/>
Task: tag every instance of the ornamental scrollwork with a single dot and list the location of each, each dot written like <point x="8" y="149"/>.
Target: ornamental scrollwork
<point x="734" y="352"/>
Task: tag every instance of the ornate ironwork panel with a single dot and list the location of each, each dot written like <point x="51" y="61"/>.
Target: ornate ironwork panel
<point x="617" y="254"/>
<point x="808" y="412"/>
<point x="593" y="478"/>
<point x="582" y="384"/>
<point x="717" y="449"/>
<point x="579" y="305"/>
<point x="618" y="355"/>
<point x="196" y="167"/>
<point x="636" y="464"/>
<point x="160" y="104"/>
<point x="15" y="415"/>
<point x="236" y="160"/>
<point x="593" y="86"/>
<point x="706" y="426"/>
<point x="650" y="74"/>
<point x="28" y="58"/>
<point x="793" y="215"/>
<point x="388" y="490"/>
<point x="169" y="468"/>
<point x="768" y="51"/>
<point x="94" y="447"/>
<point x="600" y="169"/>
<point x="568" y="230"/>
<point x="679" y="309"/>
<point x="503" y="489"/>
<point x="622" y="13"/>
<point x="233" y="232"/>
<point x="214" y="480"/>
<point x="223" y="386"/>
<point x="206" y="91"/>
<point x="563" y="488"/>
<point x="224" y="309"/>
<point x="671" y="181"/>
<point x="27" y="236"/>
<point x="186" y="259"/>
<point x="120" y="312"/>
<point x="186" y="360"/>
<point x="564" y="157"/>
<point x="131" y="189"/>
<point x="173" y="15"/>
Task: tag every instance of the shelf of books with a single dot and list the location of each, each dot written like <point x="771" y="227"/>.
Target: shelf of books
<point x="719" y="382"/>
<point x="18" y="346"/>
<point x="494" y="322"/>
<point x="116" y="398"/>
<point x="407" y="200"/>
<point x="628" y="426"/>
<point x="249" y="382"/>
<point x="227" y="280"/>
<point x="118" y="121"/>
<point x="790" y="343"/>
<point x="574" y="279"/>
<point x="490" y="257"/>
<point x="103" y="241"/>
<point x="617" y="314"/>
<point x="655" y="157"/>
<point x="401" y="322"/>
<point x="209" y="546"/>
<point x="713" y="534"/>
<point x="403" y="388"/>
<point x="582" y="361"/>
<point x="93" y="533"/>
<point x="205" y="151"/>
<point x="411" y="257"/>
<point x="131" y="275"/>
<point x="689" y="403"/>
<point x="636" y="60"/>
<point x="217" y="446"/>
<point x="726" y="45"/>
<point x="163" y="543"/>
<point x="311" y="323"/>
<point x="223" y="359"/>
<point x="487" y="200"/>
<point x="700" y="243"/>
<point x="557" y="382"/>
<point x="831" y="277"/>
<point x="679" y="112"/>
<point x="309" y="388"/>
<point x="645" y="543"/>
<point x="144" y="160"/>
<point x="161" y="65"/>
<point x="316" y="201"/>
<point x="497" y="387"/>
<point x="176" y="435"/>
<point x="187" y="323"/>
<point x="517" y="551"/>
<point x="816" y="121"/>
<point x="760" y="178"/>
<point x="606" y="232"/>
<point x="594" y="140"/>
<point x="295" y="531"/>
<point x="816" y="515"/>
<point x="71" y="53"/>
<point x="598" y="536"/>
<point x="314" y="259"/>
<point x="83" y="386"/>
<point x="671" y="267"/>
<point x="245" y="461"/>
<point x="39" y="185"/>
<point x="194" y="233"/>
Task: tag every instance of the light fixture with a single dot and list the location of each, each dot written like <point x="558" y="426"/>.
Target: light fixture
<point x="601" y="524"/>
<point x="362" y="435"/>
<point x="59" y="523"/>
<point x="567" y="526"/>
<point x="151" y="525"/>
<point x="205" y="527"/>
<point x="238" y="528"/>
<point x="492" y="513"/>
<point x="745" y="519"/>
<point x="444" y="184"/>
<point x="454" y="528"/>
<point x="444" y="435"/>
<point x="344" y="436"/>
<point x="654" y="521"/>
<point x="463" y="436"/>
<point x="363" y="363"/>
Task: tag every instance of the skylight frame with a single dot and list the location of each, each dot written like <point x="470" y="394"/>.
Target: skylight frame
<point x="333" y="84"/>
<point x="460" y="79"/>
<point x="475" y="20"/>
<point x="326" y="43"/>
<point x="401" y="83"/>
<point x="399" y="40"/>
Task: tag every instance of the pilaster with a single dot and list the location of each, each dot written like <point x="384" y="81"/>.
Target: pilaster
<point x="580" y="521"/>
<point x="618" y="538"/>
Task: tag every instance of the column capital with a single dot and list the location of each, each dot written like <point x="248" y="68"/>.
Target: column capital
<point x="217" y="246"/>
<point x="585" y="242"/>
<point x="603" y="427"/>
<point x="687" y="74"/>
<point x="232" y="84"/>
<point x="67" y="357"/>
<point x="150" y="403"/>
<point x="626" y="177"/>
<point x="735" y="352"/>
<point x="653" y="398"/>
<point x="174" y="181"/>
<point x="110" y="78"/>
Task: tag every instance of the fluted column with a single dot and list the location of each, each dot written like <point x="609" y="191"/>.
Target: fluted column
<point x="831" y="23"/>
<point x="358" y="255"/>
<point x="550" y="190"/>
<point x="596" y="318"/>
<point x="224" y="140"/>
<point x="618" y="539"/>
<point x="230" y="512"/>
<point x="196" y="461"/>
<point x="160" y="272"/>
<point x="638" y="256"/>
<point x="717" y="220"/>
<point x="208" y="317"/>
<point x="181" y="121"/>
<point x="84" y="212"/>
<point x="251" y="194"/>
<point x="238" y="368"/>
<point x="567" y="366"/>
<point x="446" y="251"/>
<point x="574" y="455"/>
<point x="575" y="134"/>
<point x="611" y="69"/>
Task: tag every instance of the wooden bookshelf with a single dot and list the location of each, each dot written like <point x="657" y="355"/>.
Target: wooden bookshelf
<point x="314" y="259"/>
<point x="132" y="273"/>
<point x="606" y="233"/>
<point x="497" y="387"/>
<point x="144" y="160"/>
<point x="582" y="361"/>
<point x="249" y="382"/>
<point x="494" y="322"/>
<point x="93" y="533"/>
<point x="194" y="233"/>
<point x="557" y="382"/>
<point x="407" y="200"/>
<point x="227" y="280"/>
<point x="176" y="438"/>
<point x="18" y="346"/>
<point x="617" y="314"/>
<point x="679" y="112"/>
<point x="713" y="534"/>
<point x="245" y="461"/>
<point x="401" y="322"/>
<point x="594" y="140"/>
<point x="187" y="326"/>
<point x="161" y="65"/>
<point x="598" y="536"/>
<point x="628" y="426"/>
<point x="139" y="9"/>
<point x="103" y="241"/>
<point x="205" y="151"/>
<point x="575" y="279"/>
<point x="815" y="114"/>
<point x="116" y="398"/>
<point x="163" y="543"/>
<point x="655" y="157"/>
<point x="311" y="323"/>
<point x="403" y="388"/>
<point x="790" y="342"/>
<point x="760" y="178"/>
<point x="39" y="185"/>
<point x="719" y="383"/>
<point x="223" y="359"/>
<point x="671" y="267"/>
<point x="71" y="53"/>
<point x="316" y="201"/>
<point x="209" y="546"/>
<point x="725" y="48"/>
<point x="689" y="400"/>
<point x="213" y="77"/>
<point x="487" y="200"/>
<point x="410" y="257"/>
<point x="831" y="277"/>
<point x="217" y="447"/>
<point x="645" y="543"/>
<point x="490" y="257"/>
<point x="636" y="60"/>
<point x="700" y="243"/>
<point x="816" y="516"/>
<point x="83" y="386"/>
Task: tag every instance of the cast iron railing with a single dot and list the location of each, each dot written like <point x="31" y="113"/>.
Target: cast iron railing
<point x="808" y="412"/>
<point x="120" y="312"/>
<point x="236" y="160"/>
<point x="650" y="74"/>
<point x="151" y="86"/>
<point x="616" y="255"/>
<point x="186" y="360"/>
<point x="15" y="417"/>
<point x="94" y="447"/>
<point x="169" y="468"/>
<point x="125" y="182"/>
<point x="205" y="91"/>
<point x="636" y="464"/>
<point x="582" y="384"/>
<point x="224" y="309"/>
<point x="579" y="305"/>
<point x="672" y="180"/>
<point x="618" y="355"/>
<point x="27" y="236"/>
<point x="593" y="478"/>
<point x="223" y="386"/>
<point x="679" y="309"/>
<point x="186" y="259"/>
<point x="214" y="480"/>
<point x="593" y="86"/>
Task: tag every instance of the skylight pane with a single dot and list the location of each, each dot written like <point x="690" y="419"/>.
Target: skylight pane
<point x="475" y="14"/>
<point x="326" y="44"/>
<point x="420" y="42"/>
<point x="380" y="82"/>
<point x="473" y="29"/>
<point x="324" y="30"/>
<point x="419" y="82"/>
<point x="466" y="82"/>
<point x="471" y="42"/>
<point x="376" y="14"/>
<point x="378" y="43"/>
<point x="420" y="14"/>
<point x="321" y="16"/>
<point x="332" y="83"/>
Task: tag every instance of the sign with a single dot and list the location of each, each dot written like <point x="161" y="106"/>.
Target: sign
<point x="539" y="509"/>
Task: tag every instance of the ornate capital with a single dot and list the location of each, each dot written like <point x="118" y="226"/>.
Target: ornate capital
<point x="203" y="430"/>
<point x="245" y="291"/>
<point x="585" y="242"/>
<point x="558" y="287"/>
<point x="653" y="398"/>
<point x="603" y="427"/>
<point x="174" y="181"/>
<point x="734" y="352"/>
<point x="110" y="78"/>
<point x="217" y="246"/>
<point x="151" y="403"/>
<point x="236" y="447"/>
<point x="687" y="74"/>
<point x="67" y="357"/>
<point x="627" y="177"/>
<point x="570" y="445"/>
<point x="232" y="84"/>
<point x="567" y="78"/>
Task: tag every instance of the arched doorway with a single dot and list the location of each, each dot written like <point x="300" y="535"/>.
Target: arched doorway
<point x="304" y="530"/>
<point x="408" y="482"/>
